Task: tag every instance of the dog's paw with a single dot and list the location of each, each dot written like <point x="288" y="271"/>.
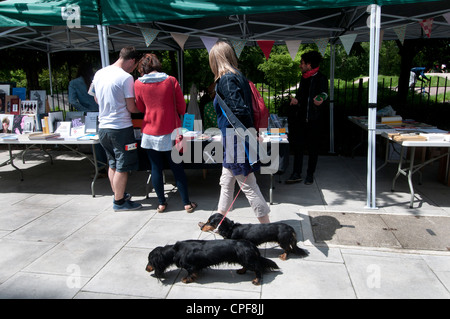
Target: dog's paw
<point x="256" y="281"/>
<point x="283" y="256"/>
<point x="190" y="278"/>
<point x="241" y="271"/>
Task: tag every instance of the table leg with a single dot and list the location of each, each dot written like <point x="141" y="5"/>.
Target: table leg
<point x="411" y="169"/>
<point x="148" y="186"/>
<point x="271" y="190"/>
<point x="386" y="155"/>
<point x="399" y="169"/>
<point x="11" y="161"/>
<point x="96" y="170"/>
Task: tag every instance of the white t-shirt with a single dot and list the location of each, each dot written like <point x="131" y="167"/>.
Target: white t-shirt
<point x="111" y="86"/>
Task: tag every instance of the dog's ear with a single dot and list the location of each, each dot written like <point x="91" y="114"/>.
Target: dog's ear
<point x="159" y="259"/>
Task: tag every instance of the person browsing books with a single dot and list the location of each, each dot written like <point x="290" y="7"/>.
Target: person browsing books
<point x="159" y="96"/>
<point x="113" y="87"/>
<point x="78" y="90"/>
<point x="233" y="88"/>
<point x="304" y="117"/>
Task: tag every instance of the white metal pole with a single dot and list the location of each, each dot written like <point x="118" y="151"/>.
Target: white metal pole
<point x="105" y="45"/>
<point x="374" y="20"/>
<point x="100" y="41"/>
<point x="50" y="76"/>
<point x="332" y="67"/>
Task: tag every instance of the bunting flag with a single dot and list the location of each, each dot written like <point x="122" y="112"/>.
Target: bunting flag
<point x="209" y="42"/>
<point x="427" y="24"/>
<point x="447" y="17"/>
<point x="293" y="47"/>
<point x="149" y="35"/>
<point x="400" y="31"/>
<point x="238" y="45"/>
<point x="180" y="38"/>
<point x="266" y="47"/>
<point x="347" y="41"/>
<point x="321" y="44"/>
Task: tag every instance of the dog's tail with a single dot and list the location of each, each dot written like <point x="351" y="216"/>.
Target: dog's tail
<point x="297" y="250"/>
<point x="267" y="264"/>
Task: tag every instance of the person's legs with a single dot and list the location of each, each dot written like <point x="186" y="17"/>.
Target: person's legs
<point x="120" y="163"/>
<point x="118" y="181"/>
<point x="250" y="188"/>
<point x="227" y="181"/>
<point x="181" y="180"/>
<point x="157" y="161"/>
<point x="296" y="146"/>
<point x="312" y="135"/>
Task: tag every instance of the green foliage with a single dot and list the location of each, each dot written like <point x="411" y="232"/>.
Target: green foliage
<point x="280" y="69"/>
<point x="249" y="60"/>
<point x="196" y="69"/>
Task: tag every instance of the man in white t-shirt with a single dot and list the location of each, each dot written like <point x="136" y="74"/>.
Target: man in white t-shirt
<point x="113" y="87"/>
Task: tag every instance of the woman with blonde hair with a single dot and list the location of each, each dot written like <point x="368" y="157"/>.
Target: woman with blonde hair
<point x="233" y="88"/>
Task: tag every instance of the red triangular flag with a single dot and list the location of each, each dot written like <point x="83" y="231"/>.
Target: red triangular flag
<point x="427" y="24"/>
<point x="266" y="47"/>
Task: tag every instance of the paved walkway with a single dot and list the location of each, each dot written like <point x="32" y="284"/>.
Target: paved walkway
<point x="57" y="241"/>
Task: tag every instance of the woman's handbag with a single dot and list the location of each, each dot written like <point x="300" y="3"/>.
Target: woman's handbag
<point x="179" y="141"/>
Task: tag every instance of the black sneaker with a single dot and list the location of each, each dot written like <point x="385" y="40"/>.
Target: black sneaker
<point x="294" y="178"/>
<point x="309" y="180"/>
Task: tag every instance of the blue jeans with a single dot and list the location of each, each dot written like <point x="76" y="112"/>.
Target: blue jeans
<point x="157" y="160"/>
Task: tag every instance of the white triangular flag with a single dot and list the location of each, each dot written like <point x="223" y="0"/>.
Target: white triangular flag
<point x="149" y="35"/>
<point x="321" y="44"/>
<point x="180" y="38"/>
<point x="447" y="17"/>
<point x="293" y="47"/>
<point x="400" y="31"/>
<point x="209" y="42"/>
<point x="347" y="41"/>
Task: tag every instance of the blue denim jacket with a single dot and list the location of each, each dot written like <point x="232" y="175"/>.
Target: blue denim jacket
<point x="236" y="93"/>
<point x="79" y="97"/>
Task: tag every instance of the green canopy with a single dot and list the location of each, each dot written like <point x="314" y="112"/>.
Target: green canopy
<point x="112" y="12"/>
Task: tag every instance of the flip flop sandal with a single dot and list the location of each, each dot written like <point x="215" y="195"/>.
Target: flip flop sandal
<point x="161" y="210"/>
<point x="191" y="209"/>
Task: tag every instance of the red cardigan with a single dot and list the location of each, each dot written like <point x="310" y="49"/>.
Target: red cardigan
<point x="156" y="100"/>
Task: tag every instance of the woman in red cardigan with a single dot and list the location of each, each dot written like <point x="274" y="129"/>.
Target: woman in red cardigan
<point x="159" y="96"/>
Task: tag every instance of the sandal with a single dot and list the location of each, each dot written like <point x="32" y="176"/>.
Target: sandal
<point x="162" y="207"/>
<point x="191" y="209"/>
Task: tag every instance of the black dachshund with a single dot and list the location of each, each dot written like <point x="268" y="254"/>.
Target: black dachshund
<point x="280" y="233"/>
<point x="195" y="255"/>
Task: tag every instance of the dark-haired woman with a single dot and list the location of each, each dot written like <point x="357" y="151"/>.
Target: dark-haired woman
<point x="160" y="98"/>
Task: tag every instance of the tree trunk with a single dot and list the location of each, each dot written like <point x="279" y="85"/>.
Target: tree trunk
<point x="407" y="52"/>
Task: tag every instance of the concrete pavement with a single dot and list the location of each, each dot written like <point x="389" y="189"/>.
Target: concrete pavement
<point x="57" y="241"/>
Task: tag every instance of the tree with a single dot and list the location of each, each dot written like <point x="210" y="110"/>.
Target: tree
<point x="280" y="69"/>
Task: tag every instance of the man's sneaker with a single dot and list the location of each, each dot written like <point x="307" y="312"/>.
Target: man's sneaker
<point x="127" y="205"/>
<point x="309" y="180"/>
<point x="294" y="178"/>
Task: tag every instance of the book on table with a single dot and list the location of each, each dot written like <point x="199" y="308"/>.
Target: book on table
<point x="42" y="136"/>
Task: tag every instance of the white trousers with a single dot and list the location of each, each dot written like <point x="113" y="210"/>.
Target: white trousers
<point x="250" y="188"/>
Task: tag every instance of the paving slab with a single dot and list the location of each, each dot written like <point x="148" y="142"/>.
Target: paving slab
<point x="394" y="276"/>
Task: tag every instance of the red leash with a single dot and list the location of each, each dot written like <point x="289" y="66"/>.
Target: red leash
<point x="240" y="188"/>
